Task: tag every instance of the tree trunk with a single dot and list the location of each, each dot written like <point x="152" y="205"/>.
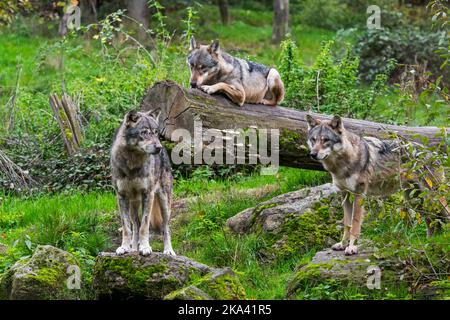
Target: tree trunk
<point x="65" y="112"/>
<point x="89" y="11"/>
<point x="280" y="20"/>
<point x="224" y="14"/>
<point x="180" y="107"/>
<point x="139" y="10"/>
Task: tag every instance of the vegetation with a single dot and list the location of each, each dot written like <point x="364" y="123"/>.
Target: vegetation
<point x="330" y="63"/>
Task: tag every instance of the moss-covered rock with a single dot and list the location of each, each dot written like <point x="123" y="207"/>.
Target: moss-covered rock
<point x="293" y="222"/>
<point x="42" y="276"/>
<point x="220" y="284"/>
<point x="190" y="292"/>
<point x="160" y="276"/>
<point x="133" y="276"/>
<point x="341" y="276"/>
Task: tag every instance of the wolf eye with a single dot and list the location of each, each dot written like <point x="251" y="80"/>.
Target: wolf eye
<point x="325" y="140"/>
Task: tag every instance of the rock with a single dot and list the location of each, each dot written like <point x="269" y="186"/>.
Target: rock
<point x="160" y="276"/>
<point x="220" y="284"/>
<point x="43" y="276"/>
<point x="292" y="222"/>
<point x="336" y="271"/>
<point x="188" y="293"/>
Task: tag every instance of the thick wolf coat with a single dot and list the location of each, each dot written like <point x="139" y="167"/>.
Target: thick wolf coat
<point x="213" y="70"/>
<point x="142" y="178"/>
<point x="363" y="166"/>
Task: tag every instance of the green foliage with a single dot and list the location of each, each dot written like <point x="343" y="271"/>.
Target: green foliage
<point x="328" y="14"/>
<point x="408" y="46"/>
<point x="330" y="85"/>
<point x="8" y="9"/>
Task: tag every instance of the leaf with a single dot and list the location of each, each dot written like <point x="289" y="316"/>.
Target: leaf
<point x="402" y="213"/>
<point x="28" y="244"/>
<point x="429" y="182"/>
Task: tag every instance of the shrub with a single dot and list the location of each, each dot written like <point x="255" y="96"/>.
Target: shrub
<point x="331" y="85"/>
<point x="408" y="46"/>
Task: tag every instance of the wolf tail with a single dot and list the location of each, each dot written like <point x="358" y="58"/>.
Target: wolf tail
<point x="156" y="220"/>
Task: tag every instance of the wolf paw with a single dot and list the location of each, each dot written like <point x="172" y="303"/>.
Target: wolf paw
<point x="268" y="103"/>
<point x="208" y="89"/>
<point x="169" y="252"/>
<point x="122" y="250"/>
<point x="145" y="251"/>
<point x="351" y="250"/>
<point x="338" y="246"/>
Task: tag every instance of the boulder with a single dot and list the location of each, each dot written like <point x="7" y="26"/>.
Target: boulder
<point x="296" y="221"/>
<point x="160" y="276"/>
<point x="219" y="284"/>
<point x="334" y="271"/>
<point x="43" y="276"/>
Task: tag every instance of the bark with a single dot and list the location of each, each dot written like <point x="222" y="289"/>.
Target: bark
<point x="224" y="14"/>
<point x="179" y="107"/>
<point x="65" y="112"/>
<point x="139" y="10"/>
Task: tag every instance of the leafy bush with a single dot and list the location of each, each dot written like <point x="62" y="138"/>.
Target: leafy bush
<point x="330" y="85"/>
<point x="408" y="46"/>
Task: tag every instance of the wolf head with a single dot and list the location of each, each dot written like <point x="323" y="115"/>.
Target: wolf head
<point x="203" y="61"/>
<point x="141" y="132"/>
<point x="324" y="138"/>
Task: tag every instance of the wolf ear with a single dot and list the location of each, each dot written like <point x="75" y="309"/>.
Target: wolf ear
<point x="214" y="47"/>
<point x="155" y="113"/>
<point x="192" y="44"/>
<point x="336" y="124"/>
<point x="312" y="122"/>
<point x="132" y="117"/>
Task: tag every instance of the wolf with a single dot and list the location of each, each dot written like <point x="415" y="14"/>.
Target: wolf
<point x="213" y="71"/>
<point x="362" y="166"/>
<point x="142" y="179"/>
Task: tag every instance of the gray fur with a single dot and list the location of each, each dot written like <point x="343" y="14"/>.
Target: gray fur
<point x="142" y="179"/>
<point x="363" y="166"/>
<point x="213" y="70"/>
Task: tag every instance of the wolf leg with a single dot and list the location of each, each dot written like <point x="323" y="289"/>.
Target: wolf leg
<point x="355" y="230"/>
<point x="165" y="203"/>
<point x="275" y="87"/>
<point x="124" y="209"/>
<point x="144" y="230"/>
<point x="235" y="92"/>
<point x="347" y="205"/>
<point x="134" y="212"/>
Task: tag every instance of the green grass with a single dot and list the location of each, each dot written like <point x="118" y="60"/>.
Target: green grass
<point x="87" y="223"/>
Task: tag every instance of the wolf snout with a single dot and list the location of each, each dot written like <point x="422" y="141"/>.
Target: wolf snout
<point x="152" y="149"/>
<point x="193" y="84"/>
<point x="313" y="155"/>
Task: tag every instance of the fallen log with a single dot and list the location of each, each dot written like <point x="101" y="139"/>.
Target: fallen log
<point x="180" y="107"/>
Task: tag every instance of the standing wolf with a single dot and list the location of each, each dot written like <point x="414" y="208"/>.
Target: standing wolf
<point x="142" y="178"/>
<point x="358" y="165"/>
<point x="242" y="81"/>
